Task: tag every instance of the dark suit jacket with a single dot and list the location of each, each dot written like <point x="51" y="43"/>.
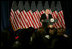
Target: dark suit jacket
<point x="43" y="17"/>
<point x="45" y="24"/>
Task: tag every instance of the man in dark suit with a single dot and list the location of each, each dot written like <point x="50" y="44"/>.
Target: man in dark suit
<point x="44" y="17"/>
<point x="47" y="20"/>
<point x="47" y="24"/>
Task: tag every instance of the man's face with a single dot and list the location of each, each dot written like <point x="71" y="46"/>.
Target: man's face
<point x="47" y="11"/>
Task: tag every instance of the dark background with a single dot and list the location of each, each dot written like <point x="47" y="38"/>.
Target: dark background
<point x="6" y="7"/>
<point x="7" y="36"/>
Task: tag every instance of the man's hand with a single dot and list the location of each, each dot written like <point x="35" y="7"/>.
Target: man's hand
<point x="42" y="20"/>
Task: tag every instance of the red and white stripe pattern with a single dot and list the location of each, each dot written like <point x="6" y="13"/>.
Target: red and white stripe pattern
<point x="32" y="24"/>
<point x="12" y="20"/>
<point x="56" y="24"/>
<point x="35" y="18"/>
<point x="23" y="19"/>
<point x="18" y="20"/>
<point x="27" y="20"/>
<point x="59" y="16"/>
<point x="60" y="13"/>
<point x="38" y="17"/>
<point x="15" y="21"/>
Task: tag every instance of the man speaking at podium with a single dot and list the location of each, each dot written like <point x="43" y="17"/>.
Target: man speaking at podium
<point x="47" y="20"/>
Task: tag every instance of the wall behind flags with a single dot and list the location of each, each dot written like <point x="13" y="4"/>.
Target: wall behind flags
<point x="6" y="7"/>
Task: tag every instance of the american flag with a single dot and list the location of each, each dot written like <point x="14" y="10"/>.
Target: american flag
<point x="57" y="15"/>
<point x="25" y="18"/>
<point x="57" y="24"/>
<point x="60" y="15"/>
<point x="62" y="18"/>
<point x="13" y="17"/>
<point x="12" y="20"/>
<point x="35" y="17"/>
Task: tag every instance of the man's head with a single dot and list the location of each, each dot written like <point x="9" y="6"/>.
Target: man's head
<point x="47" y="11"/>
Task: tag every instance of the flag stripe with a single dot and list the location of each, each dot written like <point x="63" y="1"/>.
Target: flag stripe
<point x="16" y="22"/>
<point x="19" y="19"/>
<point x="12" y="18"/>
<point x="62" y="22"/>
<point x="13" y="13"/>
<point x="54" y="16"/>
<point x="27" y="17"/>
<point x="29" y="13"/>
<point x="58" y="17"/>
<point x="35" y="14"/>
<point x="35" y="19"/>
<point x="55" y="13"/>
<point x="24" y="20"/>
<point x="62" y="18"/>
<point x="54" y="23"/>
<point x="13" y="26"/>
<point x="31" y="25"/>
<point x="38" y="16"/>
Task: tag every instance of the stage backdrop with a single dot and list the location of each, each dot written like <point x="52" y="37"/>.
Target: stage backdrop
<point x="25" y="14"/>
